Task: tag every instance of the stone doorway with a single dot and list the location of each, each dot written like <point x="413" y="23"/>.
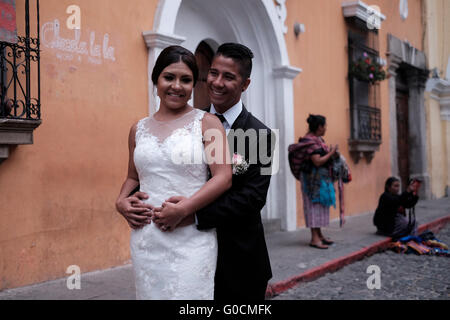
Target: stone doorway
<point x="409" y="74"/>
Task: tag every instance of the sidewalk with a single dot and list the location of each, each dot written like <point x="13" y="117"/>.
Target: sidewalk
<point x="293" y="261"/>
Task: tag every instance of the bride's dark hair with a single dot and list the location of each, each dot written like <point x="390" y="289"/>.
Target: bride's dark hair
<point x="174" y="54"/>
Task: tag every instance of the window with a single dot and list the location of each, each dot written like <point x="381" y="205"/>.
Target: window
<point x="364" y="91"/>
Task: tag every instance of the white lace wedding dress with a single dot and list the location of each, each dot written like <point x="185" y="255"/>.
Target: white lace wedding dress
<point x="169" y="160"/>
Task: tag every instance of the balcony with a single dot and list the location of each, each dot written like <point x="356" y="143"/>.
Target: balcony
<point x="365" y="112"/>
<point x="20" y="91"/>
<point x="366" y="132"/>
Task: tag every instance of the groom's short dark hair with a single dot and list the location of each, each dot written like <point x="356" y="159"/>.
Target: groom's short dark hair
<point x="240" y="54"/>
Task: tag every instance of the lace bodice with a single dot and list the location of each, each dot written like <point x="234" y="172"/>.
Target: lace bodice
<point x="167" y="151"/>
<point x="169" y="160"/>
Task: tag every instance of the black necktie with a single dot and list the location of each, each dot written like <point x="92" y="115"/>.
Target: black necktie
<point x="221" y="118"/>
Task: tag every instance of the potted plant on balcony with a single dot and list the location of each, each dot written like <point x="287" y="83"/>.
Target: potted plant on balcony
<point x="367" y="69"/>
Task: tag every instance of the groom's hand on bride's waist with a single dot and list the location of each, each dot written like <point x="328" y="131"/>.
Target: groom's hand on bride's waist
<point x="135" y="211"/>
<point x="176" y="199"/>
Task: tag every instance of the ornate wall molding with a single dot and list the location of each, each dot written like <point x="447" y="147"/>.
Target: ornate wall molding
<point x="286" y="72"/>
<point x="440" y="91"/>
<point x="403" y="51"/>
<point x="445" y="113"/>
<point x="160" y="40"/>
<point x="368" y="14"/>
<point x="15" y="132"/>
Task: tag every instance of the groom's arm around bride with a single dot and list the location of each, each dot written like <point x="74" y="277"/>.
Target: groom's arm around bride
<point x="243" y="266"/>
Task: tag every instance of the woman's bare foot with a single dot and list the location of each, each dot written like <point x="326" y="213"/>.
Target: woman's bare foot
<point x="323" y="239"/>
<point x="326" y="241"/>
<point x="318" y="245"/>
<point x="316" y="239"/>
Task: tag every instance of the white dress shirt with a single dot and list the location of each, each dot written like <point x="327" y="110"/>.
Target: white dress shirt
<point x="230" y="115"/>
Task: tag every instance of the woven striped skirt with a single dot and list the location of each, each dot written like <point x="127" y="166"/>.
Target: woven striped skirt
<point x="316" y="215"/>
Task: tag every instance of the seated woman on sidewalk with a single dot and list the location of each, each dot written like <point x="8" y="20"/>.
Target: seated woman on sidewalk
<point x="390" y="217"/>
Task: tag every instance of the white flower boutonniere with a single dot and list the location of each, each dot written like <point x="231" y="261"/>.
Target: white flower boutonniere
<point x="240" y="165"/>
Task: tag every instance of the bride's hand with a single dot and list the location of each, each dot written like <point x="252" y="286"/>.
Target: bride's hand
<point x="176" y="199"/>
<point x="169" y="216"/>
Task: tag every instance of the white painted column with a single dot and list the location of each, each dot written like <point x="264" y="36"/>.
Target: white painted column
<point x="284" y="181"/>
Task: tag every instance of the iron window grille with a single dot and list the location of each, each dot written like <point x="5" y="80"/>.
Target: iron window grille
<point x="20" y="73"/>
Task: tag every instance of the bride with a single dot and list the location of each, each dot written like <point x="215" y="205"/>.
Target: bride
<point x="163" y="159"/>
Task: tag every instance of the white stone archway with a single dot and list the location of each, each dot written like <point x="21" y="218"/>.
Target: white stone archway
<point x="270" y="97"/>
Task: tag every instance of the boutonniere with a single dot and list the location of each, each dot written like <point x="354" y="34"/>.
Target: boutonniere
<point x="240" y="165"/>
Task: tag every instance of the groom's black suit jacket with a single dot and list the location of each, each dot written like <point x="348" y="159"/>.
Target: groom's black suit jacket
<point x="243" y="259"/>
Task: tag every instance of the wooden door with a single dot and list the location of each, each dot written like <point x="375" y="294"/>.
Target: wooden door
<point x="403" y="137"/>
<point x="204" y="55"/>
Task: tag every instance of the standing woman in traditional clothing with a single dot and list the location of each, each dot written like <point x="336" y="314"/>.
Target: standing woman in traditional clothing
<point x="316" y="180"/>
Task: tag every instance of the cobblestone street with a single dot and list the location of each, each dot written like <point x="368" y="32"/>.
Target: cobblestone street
<point x="403" y="276"/>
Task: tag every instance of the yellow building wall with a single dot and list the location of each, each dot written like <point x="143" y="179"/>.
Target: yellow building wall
<point x="57" y="196"/>
<point x="322" y="87"/>
<point x="437" y="148"/>
<point x="437" y="36"/>
<point x="447" y="145"/>
<point x="437" y="48"/>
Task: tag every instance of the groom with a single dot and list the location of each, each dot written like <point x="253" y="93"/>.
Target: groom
<point x="243" y="266"/>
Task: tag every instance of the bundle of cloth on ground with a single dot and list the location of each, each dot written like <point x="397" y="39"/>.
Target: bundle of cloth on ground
<point x="424" y="244"/>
